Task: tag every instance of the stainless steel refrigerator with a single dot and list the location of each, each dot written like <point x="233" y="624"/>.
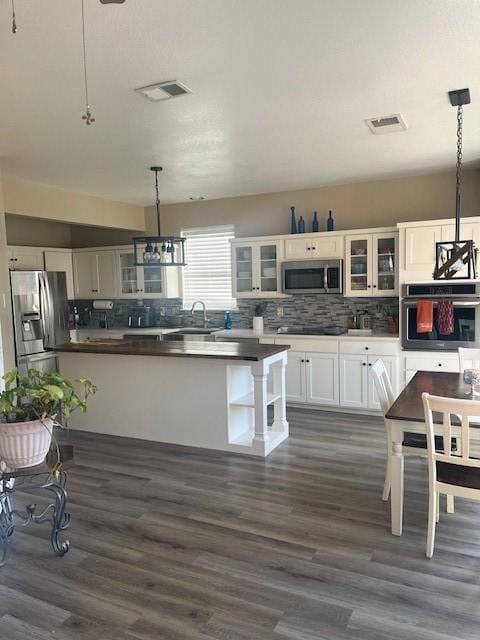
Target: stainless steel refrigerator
<point x="40" y="317"/>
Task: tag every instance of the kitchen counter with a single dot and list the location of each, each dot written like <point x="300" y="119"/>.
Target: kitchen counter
<point x="198" y="394"/>
<point x="216" y="350"/>
<point x="249" y="333"/>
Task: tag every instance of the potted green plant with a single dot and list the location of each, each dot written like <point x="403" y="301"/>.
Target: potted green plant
<point x="30" y="406"/>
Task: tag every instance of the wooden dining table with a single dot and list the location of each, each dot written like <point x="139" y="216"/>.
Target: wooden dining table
<point x="406" y="415"/>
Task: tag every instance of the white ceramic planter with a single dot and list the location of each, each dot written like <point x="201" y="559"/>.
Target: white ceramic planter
<point x="25" y="444"/>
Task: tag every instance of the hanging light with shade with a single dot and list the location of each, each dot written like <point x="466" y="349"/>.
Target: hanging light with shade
<point x="166" y="251"/>
<point x="456" y="259"/>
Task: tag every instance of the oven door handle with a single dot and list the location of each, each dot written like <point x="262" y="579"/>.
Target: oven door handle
<point x="325" y="278"/>
<point x="456" y="303"/>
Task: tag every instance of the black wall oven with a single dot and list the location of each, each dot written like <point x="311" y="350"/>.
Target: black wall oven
<point x="465" y="300"/>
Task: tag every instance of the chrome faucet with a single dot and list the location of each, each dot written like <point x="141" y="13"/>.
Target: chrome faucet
<point x="206" y="320"/>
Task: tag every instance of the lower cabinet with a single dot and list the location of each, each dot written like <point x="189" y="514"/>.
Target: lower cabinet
<point x="357" y="388"/>
<point x="312" y="377"/>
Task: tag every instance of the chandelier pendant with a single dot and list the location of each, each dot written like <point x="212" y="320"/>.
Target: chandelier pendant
<point x="457" y="259"/>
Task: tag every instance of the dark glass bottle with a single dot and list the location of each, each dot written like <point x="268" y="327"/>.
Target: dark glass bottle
<point x="330" y="221"/>
<point x="315" y="222"/>
<point x="301" y="225"/>
<point x="293" y="222"/>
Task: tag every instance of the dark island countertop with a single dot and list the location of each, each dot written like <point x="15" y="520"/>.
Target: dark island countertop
<point x="215" y="350"/>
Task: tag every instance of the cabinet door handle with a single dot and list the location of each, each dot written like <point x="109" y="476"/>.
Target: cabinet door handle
<point x="369" y="364"/>
<point x="439" y="364"/>
<point x="308" y="248"/>
<point x="364" y="364"/>
<point x="369" y="286"/>
<point x="307" y="360"/>
<point x="366" y="348"/>
<point x="313" y="248"/>
<point x="302" y="360"/>
<point x="374" y="286"/>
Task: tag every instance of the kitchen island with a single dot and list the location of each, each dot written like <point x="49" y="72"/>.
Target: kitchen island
<point x="211" y="395"/>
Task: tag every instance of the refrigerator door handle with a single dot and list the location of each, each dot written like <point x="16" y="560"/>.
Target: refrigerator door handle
<point x="45" y="309"/>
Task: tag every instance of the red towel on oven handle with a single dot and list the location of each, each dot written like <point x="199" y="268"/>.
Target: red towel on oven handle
<point x="445" y="318"/>
<point x="424" y="316"/>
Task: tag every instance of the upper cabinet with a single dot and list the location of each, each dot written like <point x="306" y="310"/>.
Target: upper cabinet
<point x="418" y="245"/>
<point x="303" y="246"/>
<point x="61" y="260"/>
<point x="144" y="282"/>
<point x="256" y="269"/>
<point x="26" y="258"/>
<point x="371" y="264"/>
<point x="95" y="274"/>
<point x="102" y="273"/>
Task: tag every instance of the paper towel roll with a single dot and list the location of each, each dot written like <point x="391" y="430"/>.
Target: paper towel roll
<point x="103" y="304"/>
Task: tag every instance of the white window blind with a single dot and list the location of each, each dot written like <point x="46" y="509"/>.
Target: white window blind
<point x="208" y="274"/>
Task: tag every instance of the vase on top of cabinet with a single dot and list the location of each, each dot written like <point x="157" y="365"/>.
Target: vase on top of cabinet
<point x="371" y="265"/>
<point x="256" y="269"/>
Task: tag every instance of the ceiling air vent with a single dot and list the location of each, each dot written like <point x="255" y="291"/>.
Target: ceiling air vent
<point x="163" y="90"/>
<point x="386" y="124"/>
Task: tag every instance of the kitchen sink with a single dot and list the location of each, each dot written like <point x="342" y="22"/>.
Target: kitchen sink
<point x="195" y="334"/>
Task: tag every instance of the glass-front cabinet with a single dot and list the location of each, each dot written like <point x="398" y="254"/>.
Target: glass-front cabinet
<point x="371" y="267"/>
<point x="256" y="269"/>
<point x="138" y="282"/>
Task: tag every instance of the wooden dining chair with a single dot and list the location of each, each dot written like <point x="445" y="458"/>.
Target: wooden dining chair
<point x="414" y="444"/>
<point x="454" y="473"/>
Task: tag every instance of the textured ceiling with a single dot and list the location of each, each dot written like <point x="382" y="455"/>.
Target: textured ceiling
<point x="280" y="92"/>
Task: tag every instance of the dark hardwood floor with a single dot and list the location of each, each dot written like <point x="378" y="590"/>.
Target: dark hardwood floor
<point x="181" y="544"/>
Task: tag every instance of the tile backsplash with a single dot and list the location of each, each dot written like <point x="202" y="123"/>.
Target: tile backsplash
<point x="298" y="311"/>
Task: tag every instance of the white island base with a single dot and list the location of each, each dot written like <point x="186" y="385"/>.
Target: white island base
<point x="193" y="401"/>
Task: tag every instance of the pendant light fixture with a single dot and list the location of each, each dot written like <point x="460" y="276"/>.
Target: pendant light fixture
<point x="166" y="251"/>
<point x="456" y="260"/>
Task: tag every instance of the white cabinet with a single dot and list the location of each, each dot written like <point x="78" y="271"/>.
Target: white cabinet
<point x="95" y="274"/>
<point x="322" y="378"/>
<point x="25" y="258"/>
<point x="61" y="260"/>
<point x="371" y="267"/>
<point x="314" y="246"/>
<point x="429" y="361"/>
<point x="357" y="388"/>
<point x="418" y="245"/>
<point x="353" y="381"/>
<point x="312" y="377"/>
<point x="256" y="269"/>
<point x="420" y="250"/>
<point x="295" y="377"/>
<point x="144" y="282"/>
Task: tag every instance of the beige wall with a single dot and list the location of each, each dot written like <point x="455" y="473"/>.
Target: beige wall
<point x="98" y="237"/>
<point x="42" y="201"/>
<point x="33" y="232"/>
<point x="355" y="206"/>
<point x="7" y="354"/>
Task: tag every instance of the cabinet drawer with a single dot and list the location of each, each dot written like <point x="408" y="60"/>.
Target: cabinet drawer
<point x="373" y="347"/>
<point x="300" y="344"/>
<point x="440" y="363"/>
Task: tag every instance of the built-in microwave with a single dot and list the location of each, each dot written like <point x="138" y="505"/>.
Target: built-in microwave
<point x="465" y="299"/>
<point x="312" y="276"/>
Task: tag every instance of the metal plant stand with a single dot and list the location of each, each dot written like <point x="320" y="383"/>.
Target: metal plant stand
<point x="33" y="478"/>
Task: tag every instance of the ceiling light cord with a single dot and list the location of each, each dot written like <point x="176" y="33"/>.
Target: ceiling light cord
<point x="14" y="21"/>
<point x="157" y="198"/>
<point x="89" y="119"/>
<point x="458" y="173"/>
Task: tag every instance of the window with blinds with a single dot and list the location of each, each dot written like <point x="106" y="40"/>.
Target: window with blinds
<point x="208" y="274"/>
